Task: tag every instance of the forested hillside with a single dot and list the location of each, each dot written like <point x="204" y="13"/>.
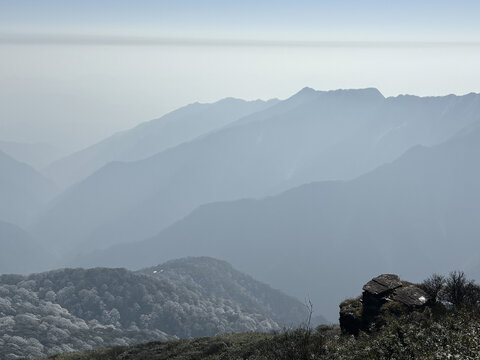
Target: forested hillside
<point x="77" y="309"/>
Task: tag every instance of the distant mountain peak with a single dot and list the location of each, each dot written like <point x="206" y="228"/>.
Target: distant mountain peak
<point x="308" y="92"/>
<point x="370" y="91"/>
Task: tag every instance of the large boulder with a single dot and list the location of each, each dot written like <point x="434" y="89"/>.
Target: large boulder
<point x="382" y="284"/>
<point x="384" y="294"/>
<point x="411" y="296"/>
<point x="351" y="316"/>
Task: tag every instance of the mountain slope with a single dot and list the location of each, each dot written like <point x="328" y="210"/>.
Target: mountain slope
<point x="312" y="136"/>
<point x="417" y="214"/>
<point x="218" y="278"/>
<point x="36" y="155"/>
<point x="126" y="201"/>
<point x="77" y="309"/>
<point x="19" y="253"/>
<point x="153" y="137"/>
<point x="24" y="191"/>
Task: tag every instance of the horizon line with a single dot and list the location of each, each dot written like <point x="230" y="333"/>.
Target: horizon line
<point x="120" y="40"/>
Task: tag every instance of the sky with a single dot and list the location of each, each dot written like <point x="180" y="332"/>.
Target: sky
<point x="74" y="72"/>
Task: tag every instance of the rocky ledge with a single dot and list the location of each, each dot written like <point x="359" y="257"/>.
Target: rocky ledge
<point x="384" y="294"/>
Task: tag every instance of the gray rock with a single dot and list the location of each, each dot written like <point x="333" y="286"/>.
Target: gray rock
<point x="351" y="316"/>
<point x="411" y="296"/>
<point x="381" y="295"/>
<point x="382" y="284"/>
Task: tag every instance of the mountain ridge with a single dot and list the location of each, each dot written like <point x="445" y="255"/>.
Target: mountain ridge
<point x="24" y="191"/>
<point x="396" y="217"/>
<point x="20" y="252"/>
<point x="327" y="136"/>
<point x="150" y="137"/>
<point x="173" y="163"/>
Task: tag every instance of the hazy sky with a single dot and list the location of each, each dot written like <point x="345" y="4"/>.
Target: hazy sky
<point x="72" y="72"/>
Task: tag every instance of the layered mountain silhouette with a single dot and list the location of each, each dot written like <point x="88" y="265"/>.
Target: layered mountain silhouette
<point x="312" y="136"/>
<point x="37" y="155"/>
<point x="417" y="214"/>
<point x="23" y="191"/>
<point x="153" y="137"/>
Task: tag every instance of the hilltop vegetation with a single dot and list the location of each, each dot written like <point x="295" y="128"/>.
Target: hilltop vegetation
<point x="219" y="279"/>
<point x="414" y="336"/>
<point x="75" y="309"/>
<point x="447" y="328"/>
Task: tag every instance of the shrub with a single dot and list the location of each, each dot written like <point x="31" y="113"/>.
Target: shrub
<point x="433" y="286"/>
<point x="460" y="292"/>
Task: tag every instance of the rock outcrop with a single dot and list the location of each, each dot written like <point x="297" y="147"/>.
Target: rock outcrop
<point x="384" y="294"/>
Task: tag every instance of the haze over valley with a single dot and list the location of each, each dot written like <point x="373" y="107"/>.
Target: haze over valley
<point x="239" y="180"/>
<point x="282" y="189"/>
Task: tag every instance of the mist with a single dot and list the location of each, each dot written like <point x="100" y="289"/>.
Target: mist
<point x="282" y="180"/>
<point x="72" y="96"/>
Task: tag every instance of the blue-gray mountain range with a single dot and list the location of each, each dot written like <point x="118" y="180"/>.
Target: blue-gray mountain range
<point x="312" y="136"/>
<point x="311" y="194"/>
